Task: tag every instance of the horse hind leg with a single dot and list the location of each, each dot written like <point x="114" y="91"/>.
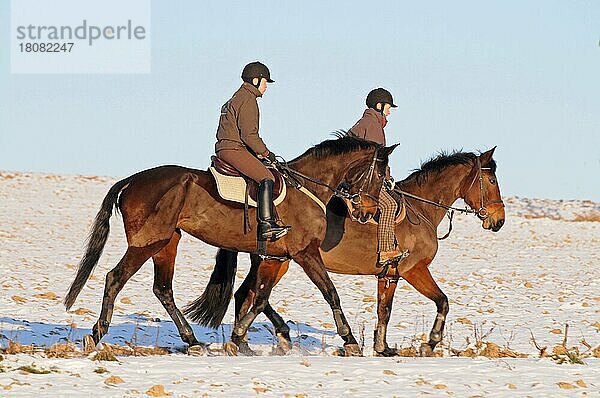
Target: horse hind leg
<point x="420" y="278"/>
<point x="116" y="278"/>
<point x="164" y="267"/>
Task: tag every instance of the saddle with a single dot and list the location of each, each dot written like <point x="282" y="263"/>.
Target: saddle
<point x="232" y="185"/>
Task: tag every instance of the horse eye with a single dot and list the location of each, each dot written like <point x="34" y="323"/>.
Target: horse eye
<point x="493" y="181"/>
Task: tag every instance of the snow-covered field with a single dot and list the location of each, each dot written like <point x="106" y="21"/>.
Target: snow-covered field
<point x="537" y="274"/>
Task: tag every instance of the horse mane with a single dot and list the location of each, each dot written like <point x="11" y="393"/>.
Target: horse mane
<point x="443" y="160"/>
<point x="343" y="143"/>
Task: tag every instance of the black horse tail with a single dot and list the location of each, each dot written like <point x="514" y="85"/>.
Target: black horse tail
<point x="96" y="241"/>
<point x="210" y="308"/>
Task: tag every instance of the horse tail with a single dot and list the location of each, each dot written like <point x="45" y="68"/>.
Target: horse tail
<point x="209" y="309"/>
<point x="96" y="241"/>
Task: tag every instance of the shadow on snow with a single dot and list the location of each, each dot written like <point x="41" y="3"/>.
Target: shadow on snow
<point x="140" y="330"/>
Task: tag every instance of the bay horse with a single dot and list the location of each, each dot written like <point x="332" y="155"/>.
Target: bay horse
<point x="351" y="247"/>
<point x="157" y="204"/>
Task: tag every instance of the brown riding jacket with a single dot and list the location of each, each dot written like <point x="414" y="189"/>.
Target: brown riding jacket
<point x="238" y="124"/>
<point x="370" y="127"/>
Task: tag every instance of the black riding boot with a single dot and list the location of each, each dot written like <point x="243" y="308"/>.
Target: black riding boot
<point x="268" y="229"/>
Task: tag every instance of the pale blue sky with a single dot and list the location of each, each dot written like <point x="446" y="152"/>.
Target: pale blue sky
<point x="524" y="76"/>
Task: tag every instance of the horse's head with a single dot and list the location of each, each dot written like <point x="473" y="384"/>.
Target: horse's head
<point x="482" y="193"/>
<point x="363" y="181"/>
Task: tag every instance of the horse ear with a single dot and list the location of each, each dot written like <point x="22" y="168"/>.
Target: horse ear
<point x="389" y="149"/>
<point x="486" y="157"/>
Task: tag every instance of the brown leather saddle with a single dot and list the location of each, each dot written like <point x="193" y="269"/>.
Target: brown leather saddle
<point x="225" y="168"/>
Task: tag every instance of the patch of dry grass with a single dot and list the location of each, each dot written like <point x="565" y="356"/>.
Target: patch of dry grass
<point x="563" y="354"/>
<point x="16" y="348"/>
<point x="538" y="216"/>
<point x="68" y="350"/>
<point x="590" y="216"/>
<point x="33" y="369"/>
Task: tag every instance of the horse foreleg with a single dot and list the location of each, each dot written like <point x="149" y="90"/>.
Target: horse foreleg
<point x="282" y="330"/>
<point x="244" y="298"/>
<point x="265" y="280"/>
<point x="116" y="278"/>
<point x="164" y="266"/>
<point x="420" y="278"/>
<point x="386" y="288"/>
<point x="311" y="262"/>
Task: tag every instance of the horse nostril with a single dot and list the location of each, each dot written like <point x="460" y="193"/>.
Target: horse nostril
<point x="499" y="224"/>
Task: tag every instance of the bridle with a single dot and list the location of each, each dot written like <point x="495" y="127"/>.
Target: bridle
<point x="366" y="177"/>
<point x="294" y="178"/>
<point x="481" y="213"/>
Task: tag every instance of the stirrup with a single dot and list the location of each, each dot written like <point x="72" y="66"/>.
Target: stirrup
<point x="273" y="232"/>
<point x="393" y="262"/>
<point x="396" y="259"/>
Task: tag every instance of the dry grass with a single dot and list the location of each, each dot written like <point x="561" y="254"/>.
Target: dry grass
<point x="538" y="216"/>
<point x="33" y="369"/>
<point x="488" y="349"/>
<point x="590" y="216"/>
<point x="68" y="350"/>
<point x="563" y="354"/>
<point x="16" y="348"/>
<point x="109" y="352"/>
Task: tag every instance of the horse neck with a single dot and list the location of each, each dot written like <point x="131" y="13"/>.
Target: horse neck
<point x="443" y="188"/>
<point x="329" y="170"/>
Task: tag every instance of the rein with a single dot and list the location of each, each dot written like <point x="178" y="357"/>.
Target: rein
<point x="292" y="175"/>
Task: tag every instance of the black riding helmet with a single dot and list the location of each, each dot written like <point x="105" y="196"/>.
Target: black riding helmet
<point x="258" y="70"/>
<point x="380" y="95"/>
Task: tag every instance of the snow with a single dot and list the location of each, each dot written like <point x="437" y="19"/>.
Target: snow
<point x="537" y="274"/>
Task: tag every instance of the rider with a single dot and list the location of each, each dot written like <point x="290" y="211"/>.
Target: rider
<point x="370" y="127"/>
<point x="239" y="144"/>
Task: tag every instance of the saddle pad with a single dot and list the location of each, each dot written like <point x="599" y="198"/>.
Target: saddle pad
<point x="234" y="189"/>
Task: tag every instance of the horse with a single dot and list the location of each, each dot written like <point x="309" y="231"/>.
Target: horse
<point x="427" y="194"/>
<point x="157" y="204"/>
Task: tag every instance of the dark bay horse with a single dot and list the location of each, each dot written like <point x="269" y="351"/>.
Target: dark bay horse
<point x="159" y="203"/>
<point x="351" y="247"/>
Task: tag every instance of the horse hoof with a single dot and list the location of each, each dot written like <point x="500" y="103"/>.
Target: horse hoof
<point x="197" y="350"/>
<point x="425" y="350"/>
<point x="230" y="349"/>
<point x="283" y="346"/>
<point x="244" y="349"/>
<point x="352" y="350"/>
<point x="388" y="352"/>
<point x="89" y="344"/>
